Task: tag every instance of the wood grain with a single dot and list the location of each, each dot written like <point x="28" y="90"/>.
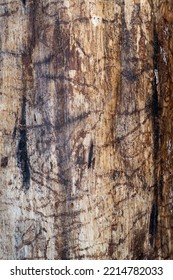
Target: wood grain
<point x="86" y="139"/>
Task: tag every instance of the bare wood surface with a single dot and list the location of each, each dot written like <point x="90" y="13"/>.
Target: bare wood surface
<point x="86" y="135"/>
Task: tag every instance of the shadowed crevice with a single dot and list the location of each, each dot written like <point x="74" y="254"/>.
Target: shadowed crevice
<point x="23" y="2"/>
<point x="90" y="155"/>
<point x="153" y="222"/>
<point x="153" y="225"/>
<point x="22" y="153"/>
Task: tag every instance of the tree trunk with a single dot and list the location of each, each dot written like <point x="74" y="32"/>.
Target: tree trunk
<point x="86" y="129"/>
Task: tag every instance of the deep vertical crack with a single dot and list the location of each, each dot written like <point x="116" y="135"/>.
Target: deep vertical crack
<point x="22" y="153"/>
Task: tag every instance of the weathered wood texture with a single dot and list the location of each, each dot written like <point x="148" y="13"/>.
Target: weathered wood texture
<point x="86" y="129"/>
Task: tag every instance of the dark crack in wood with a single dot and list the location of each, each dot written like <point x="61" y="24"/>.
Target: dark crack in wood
<point x="90" y="155"/>
<point x="153" y="222"/>
<point x="23" y="2"/>
<point x="22" y="153"/>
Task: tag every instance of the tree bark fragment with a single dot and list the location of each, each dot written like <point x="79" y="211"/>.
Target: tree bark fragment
<point x="86" y="129"/>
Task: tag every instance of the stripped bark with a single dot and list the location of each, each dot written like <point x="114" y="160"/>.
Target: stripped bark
<point x="86" y="129"/>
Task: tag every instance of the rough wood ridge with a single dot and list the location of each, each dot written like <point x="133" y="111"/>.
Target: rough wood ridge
<point x="86" y="135"/>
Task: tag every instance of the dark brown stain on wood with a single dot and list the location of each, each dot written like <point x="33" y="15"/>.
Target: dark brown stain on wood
<point x="138" y="245"/>
<point x="155" y="113"/>
<point x="4" y="162"/>
<point x="161" y="183"/>
<point x="155" y="101"/>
